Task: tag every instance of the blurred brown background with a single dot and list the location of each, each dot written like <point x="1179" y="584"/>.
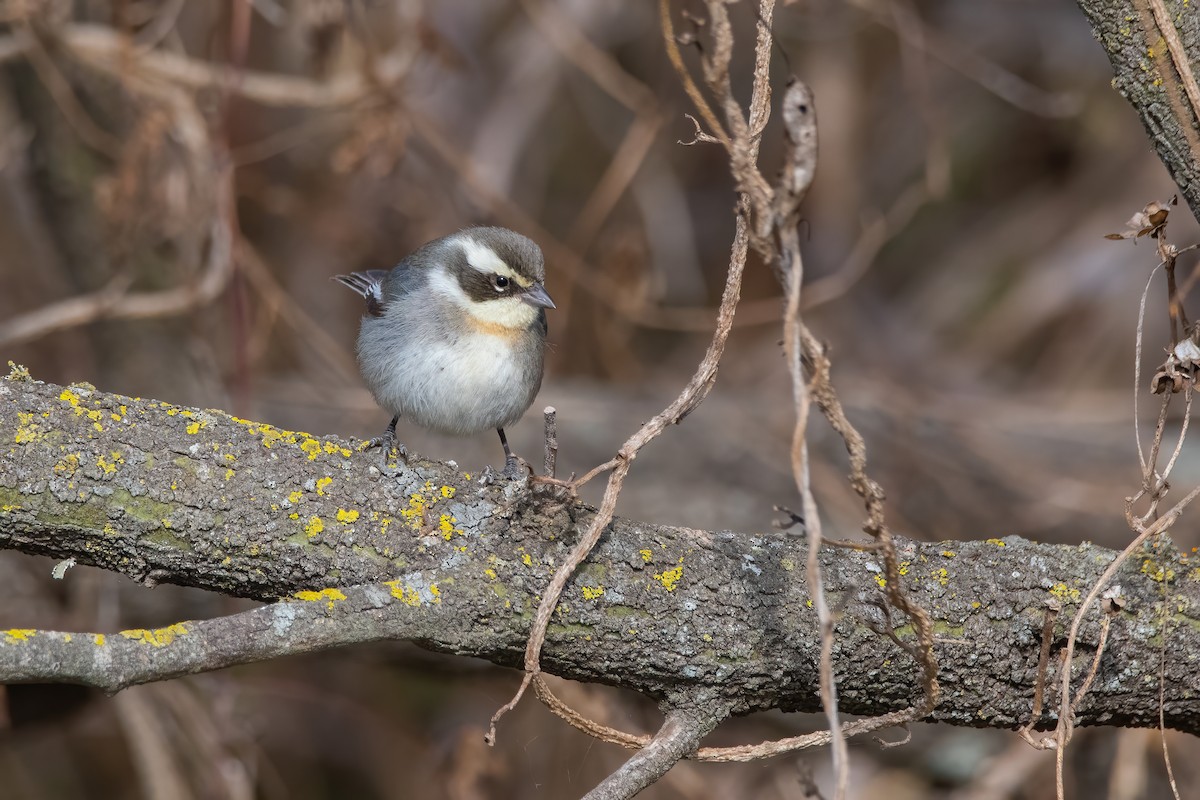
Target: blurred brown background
<point x="972" y="158"/>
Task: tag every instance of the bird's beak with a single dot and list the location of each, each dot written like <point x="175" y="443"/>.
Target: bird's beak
<point x="536" y="296"/>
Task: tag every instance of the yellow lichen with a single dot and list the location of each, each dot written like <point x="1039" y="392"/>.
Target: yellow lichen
<point x="997" y="542"/>
<point x="527" y="560"/>
<point x="1065" y="593"/>
<point x="646" y="555"/>
<point x="322" y="483"/>
<point x="879" y="579"/>
<point x="405" y="594"/>
<point x="229" y="473"/>
<point x="109" y="466"/>
<point x="447" y="492"/>
<point x="418" y="503"/>
<point x="312" y="447"/>
<point x="332" y="595"/>
<point x="1157" y="572"/>
<point x="669" y="578"/>
<point x="27" y="429"/>
<point x="194" y="427"/>
<point x="98" y="640"/>
<point x="346" y="517"/>
<point x="294" y="497"/>
<point x="159" y="637"/>
<point x="948" y="553"/>
<point x="17" y="372"/>
<point x="314" y="526"/>
<point x="332" y="448"/>
<point x="446" y="527"/>
<point x="490" y="573"/>
<point x="592" y="592"/>
<point x="14" y="635"/>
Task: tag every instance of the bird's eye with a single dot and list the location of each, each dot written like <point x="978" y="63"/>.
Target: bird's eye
<point x="500" y="282"/>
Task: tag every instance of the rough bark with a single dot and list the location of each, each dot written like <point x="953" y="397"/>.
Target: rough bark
<point x="1153" y="45"/>
<point x="426" y="553"/>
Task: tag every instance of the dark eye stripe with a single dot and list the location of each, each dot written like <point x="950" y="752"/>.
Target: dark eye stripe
<point x="484" y="286"/>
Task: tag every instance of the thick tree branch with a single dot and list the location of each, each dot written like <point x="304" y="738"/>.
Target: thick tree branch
<point x="164" y="493"/>
<point x="1153" y="46"/>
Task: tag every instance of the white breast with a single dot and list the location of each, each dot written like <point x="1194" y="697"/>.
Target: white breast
<point x="447" y="380"/>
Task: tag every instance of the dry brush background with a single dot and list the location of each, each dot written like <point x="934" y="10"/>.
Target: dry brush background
<point x="168" y="232"/>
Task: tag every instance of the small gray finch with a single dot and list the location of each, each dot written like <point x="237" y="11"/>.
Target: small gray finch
<point x="454" y="334"/>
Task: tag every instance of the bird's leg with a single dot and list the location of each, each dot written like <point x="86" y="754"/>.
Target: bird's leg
<point x="388" y="442"/>
<point x="512" y="464"/>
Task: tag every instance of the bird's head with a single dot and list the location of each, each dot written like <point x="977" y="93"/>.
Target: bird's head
<point x="495" y="275"/>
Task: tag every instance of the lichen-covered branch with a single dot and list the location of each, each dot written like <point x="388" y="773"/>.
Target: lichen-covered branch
<point x="425" y="553"/>
<point x="1154" y="48"/>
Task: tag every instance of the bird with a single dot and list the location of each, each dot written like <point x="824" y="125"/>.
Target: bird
<point x="454" y="335"/>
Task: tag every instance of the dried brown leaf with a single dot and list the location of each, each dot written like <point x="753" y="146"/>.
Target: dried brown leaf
<point x="1149" y="220"/>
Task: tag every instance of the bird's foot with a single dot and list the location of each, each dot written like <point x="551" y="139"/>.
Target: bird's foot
<point x="389" y="444"/>
<point x="515" y="468"/>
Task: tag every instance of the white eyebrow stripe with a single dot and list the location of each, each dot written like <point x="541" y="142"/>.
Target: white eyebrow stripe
<point x="483" y="258"/>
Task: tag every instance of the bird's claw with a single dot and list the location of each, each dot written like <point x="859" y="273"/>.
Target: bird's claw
<point x="515" y="469"/>
<point x="389" y="445"/>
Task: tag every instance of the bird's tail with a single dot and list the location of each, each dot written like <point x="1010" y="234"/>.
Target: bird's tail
<point x="368" y="285"/>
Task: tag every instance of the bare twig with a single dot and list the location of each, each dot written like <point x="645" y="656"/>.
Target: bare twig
<point x="1065" y="725"/>
<point x="1137" y="369"/>
<point x="691" y="396"/>
<point x="702" y="381"/>
<point x="800" y="125"/>
<point x="1162" y="701"/>
<point x="716" y="130"/>
<point x="679" y="735"/>
<point x="1179" y="56"/>
<point x="1039" y="684"/>
<point x="550" y="417"/>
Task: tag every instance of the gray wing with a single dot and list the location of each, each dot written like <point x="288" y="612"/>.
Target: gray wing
<point x="405" y="278"/>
